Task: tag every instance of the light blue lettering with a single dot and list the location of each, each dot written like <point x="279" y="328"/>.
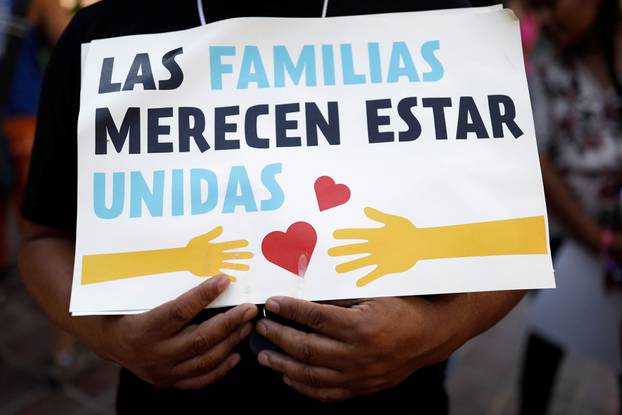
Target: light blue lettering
<point x="252" y="69"/>
<point x="99" y="195"/>
<point x="239" y="178"/>
<point x="268" y="178"/>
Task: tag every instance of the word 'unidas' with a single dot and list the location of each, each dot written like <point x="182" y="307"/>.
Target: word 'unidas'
<point x="179" y="192"/>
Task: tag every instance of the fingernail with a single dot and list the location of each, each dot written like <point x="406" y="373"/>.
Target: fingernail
<point x="263" y="359"/>
<point x="222" y="282"/>
<point x="235" y="360"/>
<point x="261" y="327"/>
<point x="273" y="305"/>
<point x="250" y="313"/>
<point x="287" y="381"/>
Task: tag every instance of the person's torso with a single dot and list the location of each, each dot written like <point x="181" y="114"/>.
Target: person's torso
<point x="112" y="18"/>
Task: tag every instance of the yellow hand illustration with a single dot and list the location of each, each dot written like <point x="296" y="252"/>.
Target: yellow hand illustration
<point x="398" y="245"/>
<point x="201" y="256"/>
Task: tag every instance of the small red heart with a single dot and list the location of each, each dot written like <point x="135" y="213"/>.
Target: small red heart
<point x="329" y="194"/>
<point x="291" y="250"/>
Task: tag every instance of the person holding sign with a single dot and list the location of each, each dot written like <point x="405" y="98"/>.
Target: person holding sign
<point x="336" y="357"/>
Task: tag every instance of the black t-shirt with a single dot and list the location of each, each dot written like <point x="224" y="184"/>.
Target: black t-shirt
<point x="51" y="194"/>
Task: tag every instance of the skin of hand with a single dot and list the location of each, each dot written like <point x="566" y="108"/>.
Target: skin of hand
<point x="372" y="344"/>
<point x="160" y="346"/>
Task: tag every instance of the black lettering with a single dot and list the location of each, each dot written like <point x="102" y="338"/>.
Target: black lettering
<point x="195" y="131"/>
<point x="222" y="127"/>
<point x="105" y="80"/>
<point x="404" y="109"/>
<point x="155" y="130"/>
<point x="282" y="124"/>
<point x="497" y="118"/>
<point x="177" y="75"/>
<point x="105" y="126"/>
<point x="140" y="73"/>
<point x="438" y="106"/>
<point x="374" y="121"/>
<point x="467" y="109"/>
<point x="315" y="120"/>
<point x="250" y="126"/>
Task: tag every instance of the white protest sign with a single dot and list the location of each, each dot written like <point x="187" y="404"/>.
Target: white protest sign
<point x="332" y="158"/>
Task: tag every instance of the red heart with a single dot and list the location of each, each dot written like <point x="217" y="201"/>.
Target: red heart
<point x="329" y="194"/>
<point x="291" y="250"/>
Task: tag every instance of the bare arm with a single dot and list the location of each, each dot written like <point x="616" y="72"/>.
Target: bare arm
<point x="46" y="265"/>
<point x="474" y="313"/>
<point x="187" y="356"/>
<point x="49" y="16"/>
<point x="565" y="205"/>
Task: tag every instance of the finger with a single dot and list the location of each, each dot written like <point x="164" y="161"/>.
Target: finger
<point x="209" y="360"/>
<point x="332" y="321"/>
<point x="236" y="267"/>
<point x="225" y="246"/>
<point x="378" y="216"/>
<point x="213" y="234"/>
<point x="237" y="255"/>
<point x="172" y="316"/>
<point x="215" y="375"/>
<point x="354" y="233"/>
<point x="344" y="303"/>
<point x="353" y="249"/>
<point x="293" y="369"/>
<point x="372" y="276"/>
<point x="321" y="394"/>
<point x="231" y="277"/>
<point x="308" y="348"/>
<point x="211" y="332"/>
<point x="355" y="264"/>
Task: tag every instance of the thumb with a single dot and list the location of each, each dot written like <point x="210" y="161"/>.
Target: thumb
<point x="172" y="316"/>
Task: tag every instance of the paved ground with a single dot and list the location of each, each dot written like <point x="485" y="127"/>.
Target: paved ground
<point x="25" y="341"/>
<point x="482" y="379"/>
<point x="485" y="376"/>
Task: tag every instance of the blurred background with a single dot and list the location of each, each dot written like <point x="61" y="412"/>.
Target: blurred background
<point x="557" y="352"/>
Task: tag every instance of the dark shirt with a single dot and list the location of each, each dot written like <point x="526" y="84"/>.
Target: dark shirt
<point x="51" y="198"/>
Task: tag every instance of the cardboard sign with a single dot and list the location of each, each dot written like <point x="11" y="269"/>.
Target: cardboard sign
<point x="344" y="157"/>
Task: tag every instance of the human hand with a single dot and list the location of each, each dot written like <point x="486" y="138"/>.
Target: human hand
<point x="161" y="348"/>
<point x="206" y="258"/>
<point x="371" y="346"/>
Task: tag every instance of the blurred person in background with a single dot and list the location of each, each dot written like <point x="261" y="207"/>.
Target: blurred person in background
<point x="577" y="95"/>
<point x="13" y="28"/>
<point x="40" y="26"/>
<point x="529" y="28"/>
<point x="45" y="20"/>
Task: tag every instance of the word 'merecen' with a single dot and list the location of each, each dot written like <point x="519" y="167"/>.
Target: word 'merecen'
<point x="231" y="128"/>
